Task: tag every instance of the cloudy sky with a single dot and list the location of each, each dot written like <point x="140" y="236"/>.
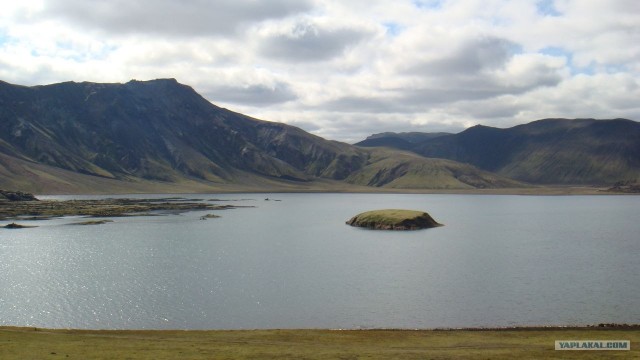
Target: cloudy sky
<point x="346" y="69"/>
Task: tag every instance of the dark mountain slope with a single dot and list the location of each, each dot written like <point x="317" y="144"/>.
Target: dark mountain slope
<point x="158" y="130"/>
<point x="400" y="141"/>
<point x="163" y="131"/>
<point x="389" y="142"/>
<point x="413" y="137"/>
<point x="550" y="151"/>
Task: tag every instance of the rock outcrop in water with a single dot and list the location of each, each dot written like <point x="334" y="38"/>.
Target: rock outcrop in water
<point x="394" y="219"/>
<point x="17" y="226"/>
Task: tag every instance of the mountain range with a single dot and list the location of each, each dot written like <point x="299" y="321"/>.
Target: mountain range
<point x="548" y="151"/>
<point x="161" y="136"/>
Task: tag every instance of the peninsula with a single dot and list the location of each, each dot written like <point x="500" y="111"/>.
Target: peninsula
<point x="28" y="207"/>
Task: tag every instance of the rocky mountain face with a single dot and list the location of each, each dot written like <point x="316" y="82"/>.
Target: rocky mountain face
<point x="161" y="131"/>
<point x="549" y="151"/>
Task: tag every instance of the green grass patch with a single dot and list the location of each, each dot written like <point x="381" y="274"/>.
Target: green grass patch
<point x="393" y="219"/>
<point x="389" y="216"/>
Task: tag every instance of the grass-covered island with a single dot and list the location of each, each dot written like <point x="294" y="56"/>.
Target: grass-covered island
<point x="394" y="219"/>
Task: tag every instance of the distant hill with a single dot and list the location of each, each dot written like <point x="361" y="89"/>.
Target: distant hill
<point x="160" y="135"/>
<point x="401" y="141"/>
<point x="548" y="151"/>
<point x="406" y="170"/>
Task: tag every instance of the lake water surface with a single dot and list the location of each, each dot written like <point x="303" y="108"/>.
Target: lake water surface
<point x="498" y="261"/>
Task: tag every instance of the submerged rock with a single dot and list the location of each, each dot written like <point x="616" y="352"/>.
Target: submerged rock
<point x="93" y="222"/>
<point x="394" y="219"/>
<point x="17" y="226"/>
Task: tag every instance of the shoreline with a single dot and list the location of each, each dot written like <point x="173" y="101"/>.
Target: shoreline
<point x="533" y="191"/>
<point x="599" y="327"/>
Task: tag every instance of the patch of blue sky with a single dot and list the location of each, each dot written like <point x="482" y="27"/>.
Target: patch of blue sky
<point x="392" y="28"/>
<point x="584" y="70"/>
<point x="4" y="37"/>
<point x="64" y="45"/>
<point x="547" y="8"/>
<point x="105" y="52"/>
<point x="69" y="51"/>
<point x="556" y="51"/>
<point x="428" y="4"/>
<point x="515" y="49"/>
<point x="560" y="52"/>
<point x="616" y="68"/>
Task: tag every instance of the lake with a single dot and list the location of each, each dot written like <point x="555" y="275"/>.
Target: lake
<point x="499" y="261"/>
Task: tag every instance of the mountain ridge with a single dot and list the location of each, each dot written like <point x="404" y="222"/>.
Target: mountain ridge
<point x="547" y="151"/>
<point x="163" y="132"/>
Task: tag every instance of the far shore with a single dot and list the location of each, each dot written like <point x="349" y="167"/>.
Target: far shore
<point x="542" y="191"/>
<point x="501" y="343"/>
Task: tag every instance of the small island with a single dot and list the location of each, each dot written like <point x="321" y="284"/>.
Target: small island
<point x="394" y="219"/>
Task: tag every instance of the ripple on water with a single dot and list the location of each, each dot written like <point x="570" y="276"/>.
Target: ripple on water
<point x="499" y="261"/>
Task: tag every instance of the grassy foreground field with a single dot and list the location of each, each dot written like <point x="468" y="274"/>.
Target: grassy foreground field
<point x="31" y="343"/>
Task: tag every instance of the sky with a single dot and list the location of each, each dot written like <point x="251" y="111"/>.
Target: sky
<point x="346" y="69"/>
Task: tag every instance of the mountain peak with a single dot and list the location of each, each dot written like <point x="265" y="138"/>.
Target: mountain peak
<point x="169" y="83"/>
<point x="166" y="81"/>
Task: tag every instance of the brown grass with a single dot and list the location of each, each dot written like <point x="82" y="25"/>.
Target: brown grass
<point x="31" y="343"/>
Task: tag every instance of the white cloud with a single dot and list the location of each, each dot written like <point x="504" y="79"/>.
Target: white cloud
<point x="308" y="41"/>
<point x="169" y="17"/>
<point x="258" y="95"/>
<point x="346" y="69"/>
